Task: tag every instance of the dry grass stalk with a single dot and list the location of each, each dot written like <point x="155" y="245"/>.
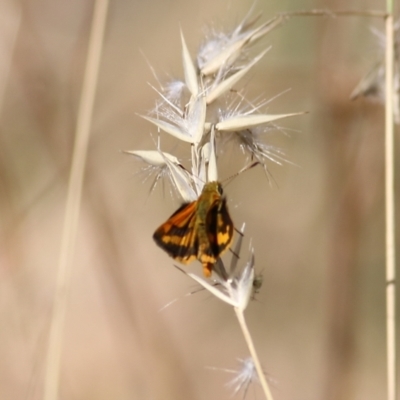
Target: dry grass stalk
<point x="390" y="211"/>
<point x="75" y="184"/>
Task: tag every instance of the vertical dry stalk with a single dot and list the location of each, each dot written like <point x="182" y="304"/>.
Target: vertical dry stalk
<point x="253" y="353"/>
<point x="390" y="211"/>
<point x="71" y="217"/>
<point x="10" y="22"/>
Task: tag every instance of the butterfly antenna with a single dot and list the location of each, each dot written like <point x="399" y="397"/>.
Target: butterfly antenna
<point x="245" y="168"/>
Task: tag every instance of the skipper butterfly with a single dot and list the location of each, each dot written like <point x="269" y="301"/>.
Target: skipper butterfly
<point x="201" y="230"/>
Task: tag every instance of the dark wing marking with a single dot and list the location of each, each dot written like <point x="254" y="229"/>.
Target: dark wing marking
<point x="219" y="227"/>
<point x="177" y="236"/>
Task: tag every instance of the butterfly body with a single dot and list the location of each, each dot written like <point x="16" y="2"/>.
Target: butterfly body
<point x="200" y="230"/>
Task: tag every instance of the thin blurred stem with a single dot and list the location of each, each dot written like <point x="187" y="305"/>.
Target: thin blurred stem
<point x="390" y="211"/>
<point x="253" y="353"/>
<point x="330" y="13"/>
<point x="12" y="28"/>
<point x="71" y="217"/>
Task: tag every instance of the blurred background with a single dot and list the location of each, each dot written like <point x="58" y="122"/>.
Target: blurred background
<point x="318" y="229"/>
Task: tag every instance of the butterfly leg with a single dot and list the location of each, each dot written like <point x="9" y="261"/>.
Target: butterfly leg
<point x="207" y="269"/>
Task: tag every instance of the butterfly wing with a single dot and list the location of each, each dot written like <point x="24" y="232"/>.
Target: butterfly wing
<point x="219" y="235"/>
<point x="219" y="228"/>
<point x="177" y="236"/>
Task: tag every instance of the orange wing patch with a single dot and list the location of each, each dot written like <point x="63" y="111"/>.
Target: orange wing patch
<point x="175" y="236"/>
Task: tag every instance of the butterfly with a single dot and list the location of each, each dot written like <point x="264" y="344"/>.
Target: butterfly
<point x="202" y="229"/>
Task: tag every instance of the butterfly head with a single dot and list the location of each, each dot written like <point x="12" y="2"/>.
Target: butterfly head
<point x="213" y="188"/>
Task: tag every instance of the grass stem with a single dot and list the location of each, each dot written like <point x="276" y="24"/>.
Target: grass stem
<point x="71" y="216"/>
<point x="390" y="214"/>
<point x="253" y="353"/>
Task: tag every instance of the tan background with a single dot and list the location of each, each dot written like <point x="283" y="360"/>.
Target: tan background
<point x="318" y="321"/>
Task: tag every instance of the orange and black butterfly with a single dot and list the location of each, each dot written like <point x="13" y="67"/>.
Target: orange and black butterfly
<point x="201" y="230"/>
